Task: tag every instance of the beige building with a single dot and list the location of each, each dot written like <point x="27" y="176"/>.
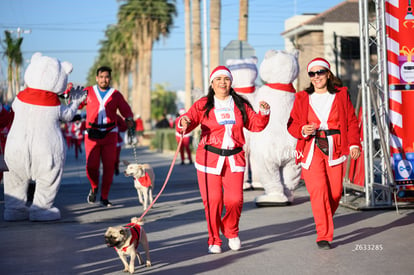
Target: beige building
<point x="333" y="35"/>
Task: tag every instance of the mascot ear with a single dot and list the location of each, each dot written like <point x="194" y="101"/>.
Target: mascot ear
<point x="295" y="53"/>
<point x="252" y="59"/>
<point x="270" y="53"/>
<point x="35" y="56"/>
<point x="67" y="67"/>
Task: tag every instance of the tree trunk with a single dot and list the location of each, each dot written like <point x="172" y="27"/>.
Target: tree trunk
<point x="136" y="89"/>
<point x="188" y="76"/>
<point x="9" y="95"/>
<point x="244" y="12"/>
<point x="123" y="81"/>
<point x="16" y="80"/>
<point x="215" y="20"/>
<point x="197" y="49"/>
<point x="146" y="83"/>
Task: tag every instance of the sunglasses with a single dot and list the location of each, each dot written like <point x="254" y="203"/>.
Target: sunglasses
<point x="320" y="72"/>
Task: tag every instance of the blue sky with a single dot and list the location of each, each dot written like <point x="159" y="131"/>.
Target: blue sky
<point x="71" y="31"/>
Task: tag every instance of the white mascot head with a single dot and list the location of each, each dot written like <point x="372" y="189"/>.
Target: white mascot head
<point x="244" y="73"/>
<point x="47" y="73"/>
<point x="279" y="67"/>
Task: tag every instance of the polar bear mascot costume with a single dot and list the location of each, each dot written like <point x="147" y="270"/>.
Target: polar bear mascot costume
<point x="273" y="149"/>
<point x="35" y="149"/>
<point x="244" y="72"/>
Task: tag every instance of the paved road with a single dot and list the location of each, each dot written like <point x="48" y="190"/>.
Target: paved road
<point x="275" y="240"/>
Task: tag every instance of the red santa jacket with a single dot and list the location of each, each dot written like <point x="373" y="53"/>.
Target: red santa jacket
<point x="347" y="122"/>
<point x="104" y="111"/>
<point x="212" y="133"/>
<point x="77" y="129"/>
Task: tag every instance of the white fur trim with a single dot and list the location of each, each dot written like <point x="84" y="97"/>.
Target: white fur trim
<point x="221" y="72"/>
<point x="318" y="63"/>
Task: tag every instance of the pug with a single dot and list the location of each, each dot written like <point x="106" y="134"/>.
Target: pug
<point x="125" y="240"/>
<point x="144" y="178"/>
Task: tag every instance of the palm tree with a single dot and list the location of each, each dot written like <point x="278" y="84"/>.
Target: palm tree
<point x="215" y="20"/>
<point x="196" y="48"/>
<point x="18" y="61"/>
<point x="147" y="21"/>
<point x="119" y="51"/>
<point x="14" y="61"/>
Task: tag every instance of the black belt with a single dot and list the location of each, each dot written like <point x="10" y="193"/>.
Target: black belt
<point x="102" y="126"/>
<point x="223" y="152"/>
<point x="325" y="133"/>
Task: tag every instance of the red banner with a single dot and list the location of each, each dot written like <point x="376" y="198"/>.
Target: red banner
<point x="400" y="53"/>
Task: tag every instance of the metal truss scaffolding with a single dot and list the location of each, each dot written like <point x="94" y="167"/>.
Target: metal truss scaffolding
<point x="378" y="186"/>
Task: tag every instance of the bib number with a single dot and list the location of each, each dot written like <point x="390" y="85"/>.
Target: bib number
<point x="225" y="116"/>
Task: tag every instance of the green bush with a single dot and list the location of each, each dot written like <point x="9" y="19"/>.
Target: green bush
<point x="164" y="139"/>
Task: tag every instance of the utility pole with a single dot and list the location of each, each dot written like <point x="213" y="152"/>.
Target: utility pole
<point x="206" y="78"/>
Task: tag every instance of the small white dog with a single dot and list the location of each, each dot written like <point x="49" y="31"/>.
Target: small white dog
<point x="125" y="240"/>
<point x="144" y="179"/>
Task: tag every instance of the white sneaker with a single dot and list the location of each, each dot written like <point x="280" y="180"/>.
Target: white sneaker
<point x="234" y="243"/>
<point x="214" y="249"/>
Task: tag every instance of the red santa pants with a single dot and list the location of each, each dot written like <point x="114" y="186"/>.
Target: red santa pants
<point x="118" y="155"/>
<point x="78" y="146"/>
<point x="324" y="184"/>
<point x="185" y="146"/>
<point x="97" y="150"/>
<point x="217" y="190"/>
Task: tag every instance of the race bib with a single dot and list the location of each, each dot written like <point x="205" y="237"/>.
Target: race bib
<point x="225" y="116"/>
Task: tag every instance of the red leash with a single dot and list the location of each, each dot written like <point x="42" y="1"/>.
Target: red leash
<point x="166" y="179"/>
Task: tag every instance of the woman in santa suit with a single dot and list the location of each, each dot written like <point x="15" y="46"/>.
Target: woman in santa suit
<point x="220" y="159"/>
<point x="324" y="122"/>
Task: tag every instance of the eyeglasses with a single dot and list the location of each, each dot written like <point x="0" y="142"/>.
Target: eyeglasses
<point x="320" y="72"/>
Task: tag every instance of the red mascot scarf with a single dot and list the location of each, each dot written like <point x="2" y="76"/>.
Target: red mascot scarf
<point x="245" y="90"/>
<point x="280" y="86"/>
<point x="39" y="97"/>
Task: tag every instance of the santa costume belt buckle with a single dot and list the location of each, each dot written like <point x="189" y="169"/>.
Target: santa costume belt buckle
<point x="223" y="152"/>
<point x="325" y="133"/>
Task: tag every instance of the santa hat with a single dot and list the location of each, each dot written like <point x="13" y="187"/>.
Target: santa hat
<point x="319" y="61"/>
<point x="221" y="70"/>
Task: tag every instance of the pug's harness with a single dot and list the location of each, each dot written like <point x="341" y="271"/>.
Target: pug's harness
<point x="136" y="234"/>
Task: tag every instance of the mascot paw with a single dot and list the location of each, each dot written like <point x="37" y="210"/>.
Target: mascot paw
<point x="78" y="95"/>
<point x="257" y="185"/>
<point x="247" y="186"/>
<point x="40" y="215"/>
<point x="12" y="215"/>
<point x="272" y="199"/>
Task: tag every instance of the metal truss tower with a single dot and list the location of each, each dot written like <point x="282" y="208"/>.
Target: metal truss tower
<point x="379" y="183"/>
